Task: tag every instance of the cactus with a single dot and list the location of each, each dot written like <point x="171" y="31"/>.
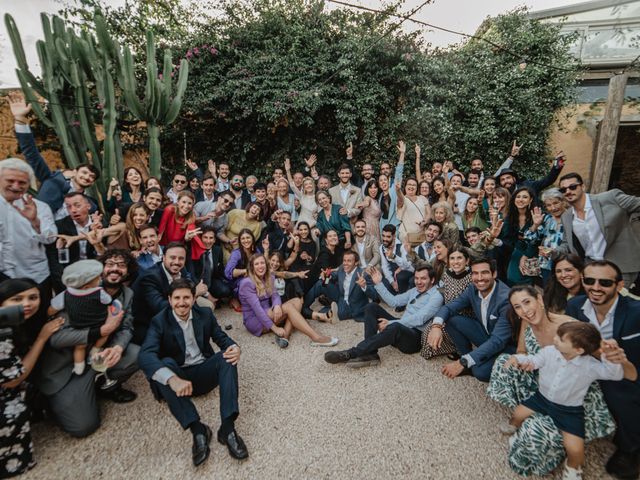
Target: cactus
<point x="158" y="108"/>
<point x="69" y="63"/>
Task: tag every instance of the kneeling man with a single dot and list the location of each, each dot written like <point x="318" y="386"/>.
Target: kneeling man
<point x="179" y="362"/>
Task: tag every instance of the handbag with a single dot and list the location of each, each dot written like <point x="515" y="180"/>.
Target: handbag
<point x="415" y="238"/>
<point x="446" y="347"/>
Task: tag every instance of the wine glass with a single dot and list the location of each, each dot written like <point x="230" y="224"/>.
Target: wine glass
<point x="99" y="364"/>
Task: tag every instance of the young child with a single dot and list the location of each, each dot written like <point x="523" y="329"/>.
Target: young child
<point x="566" y="370"/>
<point x="86" y="304"/>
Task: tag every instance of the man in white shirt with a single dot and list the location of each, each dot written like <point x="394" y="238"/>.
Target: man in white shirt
<point x="599" y="227"/>
<point x="26" y="226"/>
<point x="394" y="262"/>
<point x="178" y="184"/>
<point x="179" y="361"/>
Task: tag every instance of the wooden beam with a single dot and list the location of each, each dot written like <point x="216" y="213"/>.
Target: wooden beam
<point x="609" y="133"/>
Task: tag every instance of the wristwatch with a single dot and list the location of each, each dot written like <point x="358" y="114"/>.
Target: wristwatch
<point x="464" y="362"/>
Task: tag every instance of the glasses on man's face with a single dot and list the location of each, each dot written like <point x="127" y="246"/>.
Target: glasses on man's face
<point x="115" y="264"/>
<point x="179" y="181"/>
<point x="226" y="201"/>
<point x="604" y="282"/>
<point x="569" y="187"/>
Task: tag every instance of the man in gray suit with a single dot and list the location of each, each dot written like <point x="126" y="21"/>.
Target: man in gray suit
<point x="345" y="194"/>
<point x="366" y="246"/>
<point x="598" y="226"/>
<point x="72" y="398"/>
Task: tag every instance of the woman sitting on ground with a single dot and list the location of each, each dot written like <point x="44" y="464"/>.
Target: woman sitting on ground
<point x="537" y="448"/>
<point x="329" y="258"/>
<point x="565" y="282"/>
<point x="289" y="284"/>
<point x="454" y="280"/>
<point x="236" y="268"/>
<point x="306" y="249"/>
<point x="263" y="310"/>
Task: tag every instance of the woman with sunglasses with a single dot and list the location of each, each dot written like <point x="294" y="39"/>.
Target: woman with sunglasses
<point x="17" y="361"/>
<point x="538" y="448"/>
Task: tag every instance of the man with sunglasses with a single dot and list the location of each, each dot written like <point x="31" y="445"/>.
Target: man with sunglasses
<point x="598" y="227"/>
<point x="178" y="184"/>
<point x="214" y="214"/>
<point x="616" y="317"/>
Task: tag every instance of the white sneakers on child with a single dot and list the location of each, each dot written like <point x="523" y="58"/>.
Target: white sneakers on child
<point x="571" y="473"/>
<point x="78" y="368"/>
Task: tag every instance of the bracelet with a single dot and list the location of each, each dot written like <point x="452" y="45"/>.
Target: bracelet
<point x="436" y="325"/>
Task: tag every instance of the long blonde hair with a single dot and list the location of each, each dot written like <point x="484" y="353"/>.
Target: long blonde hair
<point x="190" y="217"/>
<point x="264" y="287"/>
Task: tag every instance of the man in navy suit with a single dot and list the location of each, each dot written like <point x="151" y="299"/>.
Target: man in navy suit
<point x="348" y="289"/>
<point x="489" y="330"/>
<point x="151" y="288"/>
<point x="178" y="360"/>
<point x="618" y="318"/>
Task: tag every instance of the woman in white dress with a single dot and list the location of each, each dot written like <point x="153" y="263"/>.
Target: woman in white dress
<point x="306" y="197"/>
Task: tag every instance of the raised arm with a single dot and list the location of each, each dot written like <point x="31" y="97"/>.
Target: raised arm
<point x="418" y="171"/>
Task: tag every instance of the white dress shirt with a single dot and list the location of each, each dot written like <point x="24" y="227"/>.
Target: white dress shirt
<point x="82" y="244"/>
<point x="566" y="382"/>
<point x="348" y="278"/>
<point x="192" y="354"/>
<point x="589" y="232"/>
<point x="360" y="245"/>
<point x="484" y="306"/>
<point x="22" y="251"/>
<point x="344" y="193"/>
<point x="606" y="327"/>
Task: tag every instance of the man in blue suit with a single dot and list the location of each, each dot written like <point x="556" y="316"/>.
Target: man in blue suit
<point x="489" y="329"/>
<point x="179" y="362"/>
<point x="618" y="318"/>
<point x="349" y="290"/>
<point x="151" y="288"/>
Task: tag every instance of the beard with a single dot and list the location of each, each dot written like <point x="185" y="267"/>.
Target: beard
<point x="237" y="188"/>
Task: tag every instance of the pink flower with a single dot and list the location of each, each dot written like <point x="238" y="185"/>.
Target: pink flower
<point x="196" y="51"/>
<point x="160" y="76"/>
<point x="189" y="53"/>
<point x="214" y="51"/>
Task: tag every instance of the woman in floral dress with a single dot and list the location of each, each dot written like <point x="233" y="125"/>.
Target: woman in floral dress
<point x="537" y="448"/>
<point x="16" y="448"/>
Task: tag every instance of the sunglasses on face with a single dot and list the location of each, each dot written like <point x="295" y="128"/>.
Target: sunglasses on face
<point x="569" y="187"/>
<point x="179" y="181"/>
<point x="226" y="200"/>
<point x="604" y="282"/>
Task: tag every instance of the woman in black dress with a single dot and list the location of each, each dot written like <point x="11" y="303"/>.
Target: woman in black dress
<point x="16" y="448"/>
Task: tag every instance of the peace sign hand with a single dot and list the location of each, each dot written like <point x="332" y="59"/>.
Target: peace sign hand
<point x="515" y="149"/>
<point x="361" y="281"/>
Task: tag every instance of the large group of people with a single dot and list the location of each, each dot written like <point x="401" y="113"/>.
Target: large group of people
<point x="524" y="285"/>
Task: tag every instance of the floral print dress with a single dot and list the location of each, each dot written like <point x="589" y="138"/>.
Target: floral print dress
<point x="537" y="448"/>
<point x="16" y="448"/>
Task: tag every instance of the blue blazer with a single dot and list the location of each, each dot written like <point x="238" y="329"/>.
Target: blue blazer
<point x="626" y="324"/>
<point x="498" y="325"/>
<point x="357" y="298"/>
<point x="53" y="185"/>
<point x="145" y="260"/>
<point x="165" y="339"/>
<point x="150" y="297"/>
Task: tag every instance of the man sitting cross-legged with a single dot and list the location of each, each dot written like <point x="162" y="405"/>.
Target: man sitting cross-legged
<point x="347" y="289"/>
<point x="489" y="330"/>
<point x="382" y="329"/>
<point x="179" y="362"/>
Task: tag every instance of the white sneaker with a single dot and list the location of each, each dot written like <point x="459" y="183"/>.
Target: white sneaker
<point x="571" y="473"/>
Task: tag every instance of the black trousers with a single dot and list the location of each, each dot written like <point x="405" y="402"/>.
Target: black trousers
<point x="213" y="372"/>
<point x="405" y="282"/>
<point x="623" y="400"/>
<point x="220" y="288"/>
<point x="405" y="339"/>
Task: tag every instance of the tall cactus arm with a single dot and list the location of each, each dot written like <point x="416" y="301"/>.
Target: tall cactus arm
<point x="174" y="109"/>
<point x="21" y="59"/>
<point x="30" y="97"/>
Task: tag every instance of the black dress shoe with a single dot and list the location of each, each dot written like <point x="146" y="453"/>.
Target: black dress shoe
<point x="235" y="444"/>
<point x="324" y="300"/>
<point x="200" y="449"/>
<point x="118" y="394"/>
<point x="337" y="356"/>
<point x="623" y="465"/>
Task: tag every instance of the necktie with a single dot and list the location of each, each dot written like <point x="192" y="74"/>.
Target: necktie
<point x="207" y="268"/>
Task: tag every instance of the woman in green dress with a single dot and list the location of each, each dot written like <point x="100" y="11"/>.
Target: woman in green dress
<point x="537" y="448"/>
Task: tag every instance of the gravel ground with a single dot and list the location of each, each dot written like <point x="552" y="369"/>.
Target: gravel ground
<point x="305" y="419"/>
